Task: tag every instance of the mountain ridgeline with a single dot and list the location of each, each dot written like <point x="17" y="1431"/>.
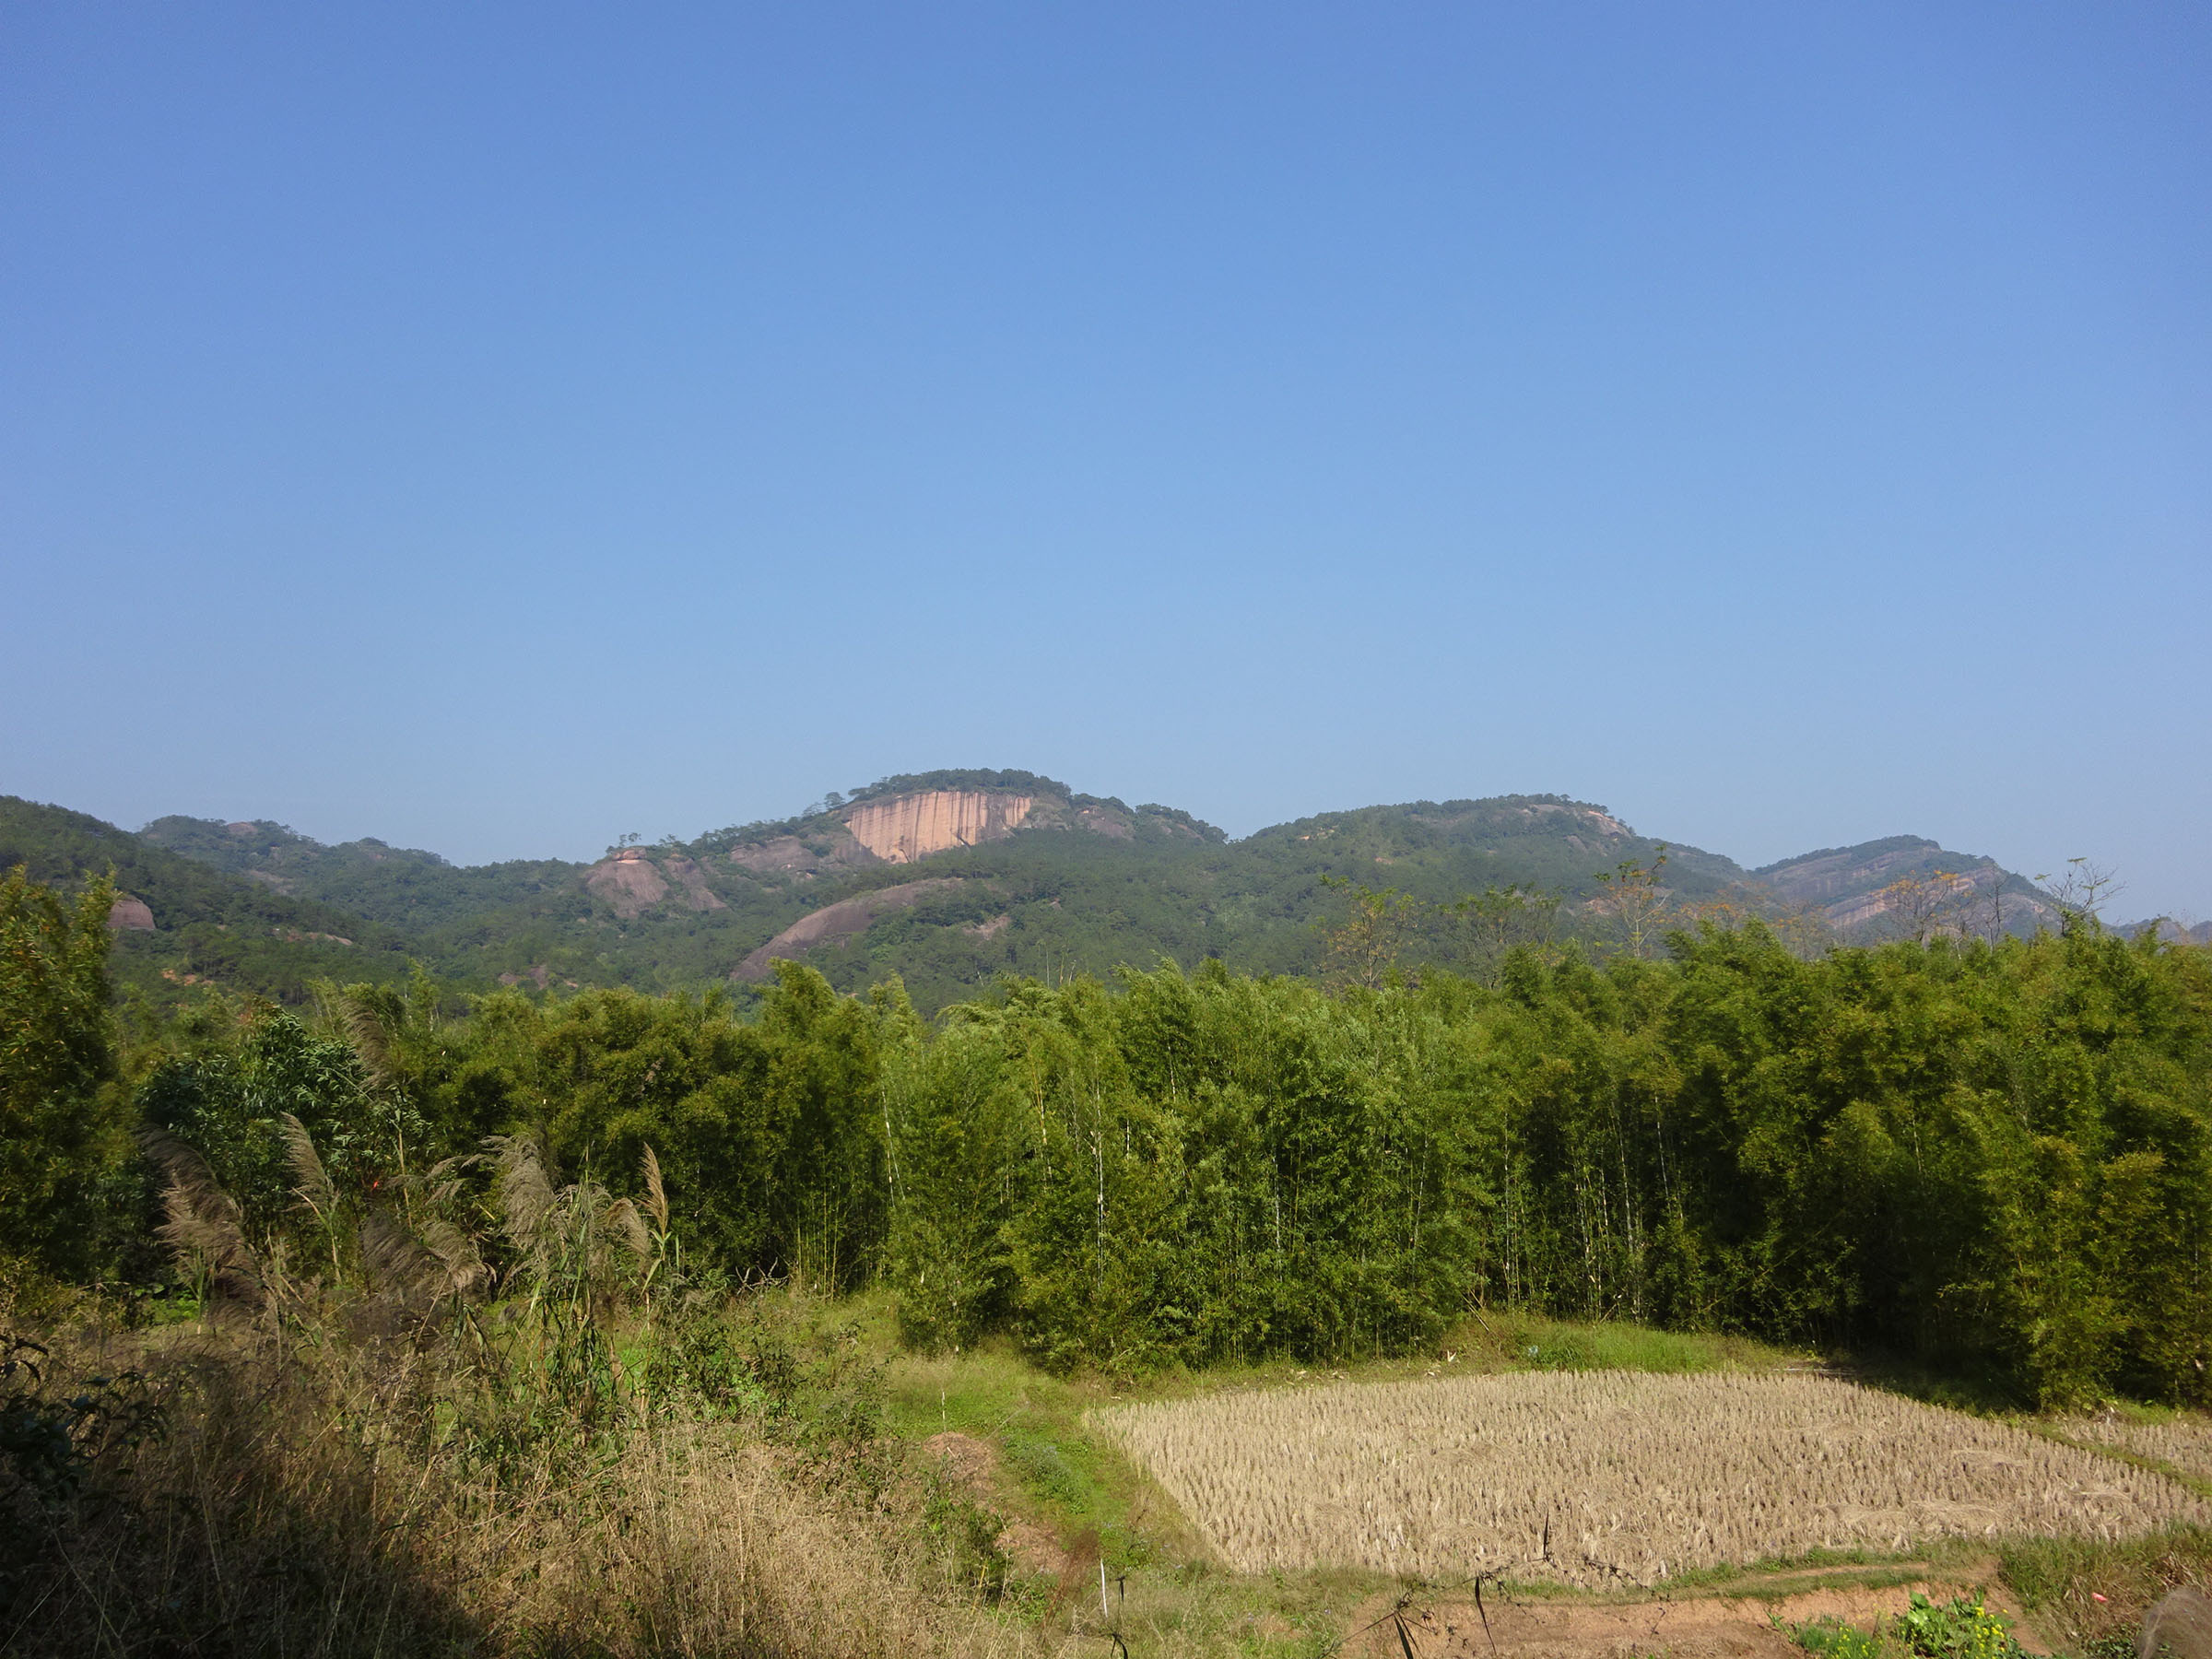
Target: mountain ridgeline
<point x="950" y="879"/>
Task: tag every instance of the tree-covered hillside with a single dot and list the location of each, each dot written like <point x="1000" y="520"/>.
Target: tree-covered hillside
<point x="1034" y="878"/>
<point x="950" y="879"/>
<point x="191" y="923"/>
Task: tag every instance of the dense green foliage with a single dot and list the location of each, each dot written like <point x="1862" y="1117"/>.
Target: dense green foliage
<point x="210" y="926"/>
<point x="1360" y="1114"/>
<point x="60" y="1120"/>
<point x="1998" y="1156"/>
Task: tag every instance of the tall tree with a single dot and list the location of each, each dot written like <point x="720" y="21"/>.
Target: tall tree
<point x="62" y="1125"/>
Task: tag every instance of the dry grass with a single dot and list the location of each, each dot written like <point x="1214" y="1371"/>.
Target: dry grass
<point x="384" y="1459"/>
<point x="1603" y="1477"/>
<point x="2182" y="1442"/>
<point x="293" y="1506"/>
<point x="697" y="1542"/>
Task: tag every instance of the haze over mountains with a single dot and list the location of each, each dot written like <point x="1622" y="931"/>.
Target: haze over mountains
<point x="947" y="878"/>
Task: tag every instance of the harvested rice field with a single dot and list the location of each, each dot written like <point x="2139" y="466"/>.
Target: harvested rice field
<point x="2182" y="1442"/>
<point x="1601" y="1478"/>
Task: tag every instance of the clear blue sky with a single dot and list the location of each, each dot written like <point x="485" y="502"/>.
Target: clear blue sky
<point x="497" y="427"/>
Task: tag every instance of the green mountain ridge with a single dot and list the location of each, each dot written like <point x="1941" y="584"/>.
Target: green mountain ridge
<point x="198" y="923"/>
<point x="949" y="880"/>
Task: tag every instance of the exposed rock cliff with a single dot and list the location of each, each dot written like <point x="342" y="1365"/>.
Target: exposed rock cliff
<point x="628" y="881"/>
<point x="905" y="819"/>
<point x="693" y="880"/>
<point x="838" y="920"/>
<point x="902" y="828"/>
<point x="1912" y="880"/>
<point x="829" y="848"/>
<point x="130" y="915"/>
<point x="633" y="882"/>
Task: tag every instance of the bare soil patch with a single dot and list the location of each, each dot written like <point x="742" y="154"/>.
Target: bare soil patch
<point x="974" y="1466"/>
<point x="1684" y="1627"/>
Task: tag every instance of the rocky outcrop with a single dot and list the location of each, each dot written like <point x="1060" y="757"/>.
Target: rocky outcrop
<point x="130" y="915"/>
<point x="1104" y="820"/>
<point x="693" y="880"/>
<point x="842" y="920"/>
<point x="1855" y="887"/>
<point x="633" y="882"/>
<point x="913" y="824"/>
<point x="628" y="881"/>
<point x="1602" y="823"/>
<point x="831" y="849"/>
<point x="1844" y="873"/>
<point x="902" y="828"/>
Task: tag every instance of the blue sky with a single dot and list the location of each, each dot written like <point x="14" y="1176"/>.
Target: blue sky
<point x="498" y="428"/>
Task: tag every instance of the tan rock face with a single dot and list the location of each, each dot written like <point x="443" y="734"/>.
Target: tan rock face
<point x="697" y="894"/>
<point x="787" y="855"/>
<point x="1100" y="820"/>
<point x="906" y="828"/>
<point x="130" y="915"/>
<point x="838" y="920"/>
<point x="628" y="881"/>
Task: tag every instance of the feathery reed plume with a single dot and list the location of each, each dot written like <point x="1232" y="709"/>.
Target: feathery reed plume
<point x="622" y="1219"/>
<point x="372" y="1016"/>
<point x="202" y="1224"/>
<point x="657" y="1196"/>
<point x="466" y="1274"/>
<point x="528" y="1205"/>
<point x="311" y="1180"/>
<point x="429" y="1199"/>
<point x="399" y="1261"/>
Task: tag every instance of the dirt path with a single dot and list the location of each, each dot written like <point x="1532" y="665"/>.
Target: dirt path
<point x="1683" y="1626"/>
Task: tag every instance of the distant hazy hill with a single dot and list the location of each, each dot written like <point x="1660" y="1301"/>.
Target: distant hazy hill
<point x="179" y="923"/>
<point x="1857" y="890"/>
<point x="688" y="913"/>
<point x="950" y="878"/>
<point x="947" y="878"/>
<point x="402" y="887"/>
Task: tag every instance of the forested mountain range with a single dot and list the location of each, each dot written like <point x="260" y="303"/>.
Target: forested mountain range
<point x="951" y="879"/>
<point x="180" y="922"/>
